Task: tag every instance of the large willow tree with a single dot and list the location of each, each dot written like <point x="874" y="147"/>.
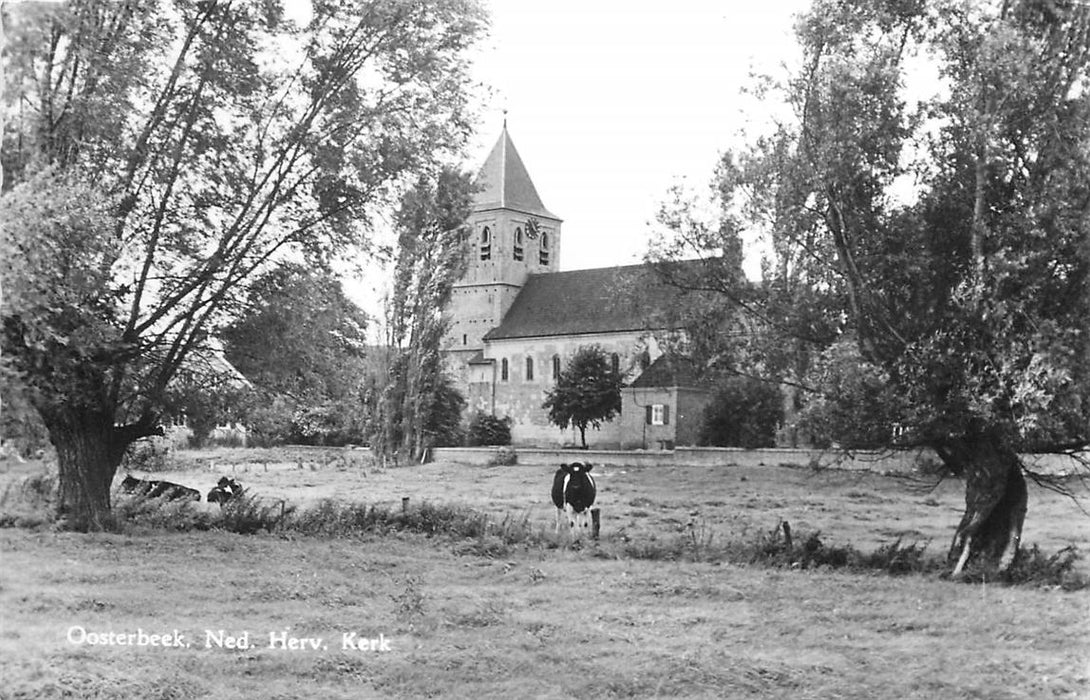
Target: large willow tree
<point x="944" y="241"/>
<point x="160" y="154"/>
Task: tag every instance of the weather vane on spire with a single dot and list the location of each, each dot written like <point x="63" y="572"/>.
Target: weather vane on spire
<point x="504" y="117"/>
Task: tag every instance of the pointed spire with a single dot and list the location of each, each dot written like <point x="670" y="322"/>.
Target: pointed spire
<point x="504" y="181"/>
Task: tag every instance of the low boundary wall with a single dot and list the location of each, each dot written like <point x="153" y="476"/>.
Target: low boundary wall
<point x="883" y="462"/>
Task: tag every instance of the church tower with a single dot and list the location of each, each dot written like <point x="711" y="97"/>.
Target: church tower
<point x="512" y="235"/>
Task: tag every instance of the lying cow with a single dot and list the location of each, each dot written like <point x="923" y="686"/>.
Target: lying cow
<point x="573" y="495"/>
<point x="159" y="489"/>
<point x="224" y="491"/>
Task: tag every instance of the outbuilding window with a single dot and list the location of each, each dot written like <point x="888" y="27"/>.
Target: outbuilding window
<point x="658" y="414"/>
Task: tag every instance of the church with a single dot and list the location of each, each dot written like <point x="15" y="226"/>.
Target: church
<point x="516" y="319"/>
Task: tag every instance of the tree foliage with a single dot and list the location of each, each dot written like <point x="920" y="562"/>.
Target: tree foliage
<point x="160" y="154"/>
<point x="420" y="406"/>
<point x="857" y="408"/>
<point x="744" y="412"/>
<point x="303" y="341"/>
<point x="948" y="238"/>
<point x="587" y="393"/>
<point x="299" y="335"/>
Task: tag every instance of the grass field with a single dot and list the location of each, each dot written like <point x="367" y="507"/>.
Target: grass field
<point x="541" y="620"/>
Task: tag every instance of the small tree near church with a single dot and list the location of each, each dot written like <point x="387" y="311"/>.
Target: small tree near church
<point x="587" y="392"/>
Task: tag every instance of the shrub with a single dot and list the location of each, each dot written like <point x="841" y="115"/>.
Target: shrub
<point x="271" y="422"/>
<point x="1032" y="566"/>
<point x="744" y="412"/>
<point x="246" y="515"/>
<point x="21" y="427"/>
<point x="489" y="430"/>
<point x="504" y="457"/>
<point x="28" y="502"/>
<point x="157" y="514"/>
<point x="152" y="454"/>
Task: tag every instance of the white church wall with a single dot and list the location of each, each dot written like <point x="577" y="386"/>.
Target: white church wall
<point x="520" y="397"/>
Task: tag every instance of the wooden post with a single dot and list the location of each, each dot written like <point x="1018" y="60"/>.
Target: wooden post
<point x="595" y="522"/>
<point x="404" y="504"/>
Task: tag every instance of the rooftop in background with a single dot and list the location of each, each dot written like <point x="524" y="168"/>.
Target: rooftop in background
<point x="668" y="371"/>
<point x="600" y="300"/>
<point x="505" y="182"/>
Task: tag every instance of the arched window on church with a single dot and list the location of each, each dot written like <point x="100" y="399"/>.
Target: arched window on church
<point x="615" y="363"/>
<point x="486" y="243"/>
<point x="529" y="369"/>
<point x="505" y="371"/>
<point x="518" y="243"/>
<point x="543" y="254"/>
<point x="556" y="368"/>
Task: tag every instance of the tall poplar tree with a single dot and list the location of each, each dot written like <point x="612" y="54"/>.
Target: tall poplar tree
<point x="420" y="406"/>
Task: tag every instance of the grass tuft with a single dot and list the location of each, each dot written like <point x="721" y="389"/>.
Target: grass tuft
<point x="140" y="512"/>
<point x="1033" y="567"/>
<point x="247" y="515"/>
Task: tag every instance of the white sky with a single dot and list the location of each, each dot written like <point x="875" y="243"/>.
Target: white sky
<point x="610" y="102"/>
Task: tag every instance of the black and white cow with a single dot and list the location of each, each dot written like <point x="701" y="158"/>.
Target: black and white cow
<point x="573" y="495"/>
<point x="167" y="490"/>
<point x="224" y="491"/>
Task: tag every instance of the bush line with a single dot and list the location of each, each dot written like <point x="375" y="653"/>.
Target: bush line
<point x="28" y="503"/>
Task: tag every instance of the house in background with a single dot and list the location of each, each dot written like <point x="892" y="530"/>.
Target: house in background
<point x="516" y="320"/>
<point x="208" y="369"/>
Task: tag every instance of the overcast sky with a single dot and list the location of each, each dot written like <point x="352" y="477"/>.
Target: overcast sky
<point x="610" y="102"/>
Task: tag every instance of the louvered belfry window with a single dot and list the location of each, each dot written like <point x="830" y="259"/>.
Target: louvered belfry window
<point x="519" y="251"/>
<point x="486" y="243"/>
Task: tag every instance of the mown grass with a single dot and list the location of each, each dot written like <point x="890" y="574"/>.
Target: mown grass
<point x="476" y="626"/>
<point x="700" y="596"/>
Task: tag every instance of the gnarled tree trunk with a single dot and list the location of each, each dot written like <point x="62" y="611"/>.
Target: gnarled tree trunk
<point x="995" y="502"/>
<point x="89" y="450"/>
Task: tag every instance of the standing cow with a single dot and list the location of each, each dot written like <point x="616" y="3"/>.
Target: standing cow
<point x="573" y="495"/>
